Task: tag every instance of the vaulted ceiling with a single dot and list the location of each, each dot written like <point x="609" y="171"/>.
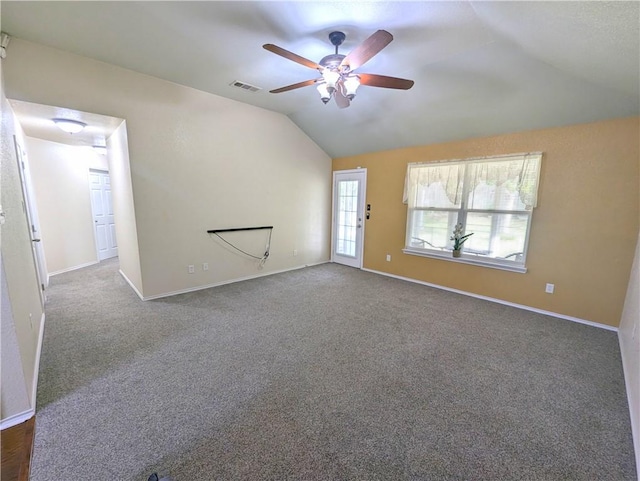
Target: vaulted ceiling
<point x="480" y="68"/>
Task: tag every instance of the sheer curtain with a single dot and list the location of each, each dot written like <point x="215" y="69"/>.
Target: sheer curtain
<point x="421" y="177"/>
<point x="505" y="183"/>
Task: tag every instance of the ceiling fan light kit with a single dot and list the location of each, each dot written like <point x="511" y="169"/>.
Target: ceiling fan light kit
<point x="331" y="77"/>
<point x="351" y="84"/>
<point x="323" y="90"/>
<point x="338" y="79"/>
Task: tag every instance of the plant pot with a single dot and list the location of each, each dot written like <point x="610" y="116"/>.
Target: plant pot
<point x="456" y="252"/>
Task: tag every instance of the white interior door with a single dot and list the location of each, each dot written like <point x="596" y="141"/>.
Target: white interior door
<point x="33" y="222"/>
<point x="102" y="205"/>
<point x="349" y="188"/>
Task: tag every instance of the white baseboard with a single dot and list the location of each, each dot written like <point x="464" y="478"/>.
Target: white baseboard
<point x="69" y="269"/>
<point x="17" y="419"/>
<point x="135" y="289"/>
<point x="231" y="281"/>
<point x="498" y="301"/>
<point x="36" y="368"/>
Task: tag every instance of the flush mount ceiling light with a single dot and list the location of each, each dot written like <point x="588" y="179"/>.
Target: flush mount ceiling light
<point x="338" y="78"/>
<point x="70" y="126"/>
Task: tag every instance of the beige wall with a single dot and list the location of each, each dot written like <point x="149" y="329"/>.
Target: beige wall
<point x="584" y="228"/>
<point x="629" y="334"/>
<point x="60" y="177"/>
<point x="198" y="162"/>
<point x="14" y="397"/>
<point x="123" y="206"/>
<point x="21" y="283"/>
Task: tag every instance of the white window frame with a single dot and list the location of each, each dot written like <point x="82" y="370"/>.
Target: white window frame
<point x="515" y="265"/>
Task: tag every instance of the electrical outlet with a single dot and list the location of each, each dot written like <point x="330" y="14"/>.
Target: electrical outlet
<point x="191" y="269"/>
<point x="31" y="321"/>
<point x="388" y="257"/>
<point x="549" y="288"/>
<point x="205" y="266"/>
<point x="295" y="252"/>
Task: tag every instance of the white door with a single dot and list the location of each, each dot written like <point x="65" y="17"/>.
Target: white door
<point x="349" y="187"/>
<point x="102" y="205"/>
<point x="32" y="219"/>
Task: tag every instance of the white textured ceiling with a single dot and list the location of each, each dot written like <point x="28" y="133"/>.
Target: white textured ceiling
<point x="480" y="68"/>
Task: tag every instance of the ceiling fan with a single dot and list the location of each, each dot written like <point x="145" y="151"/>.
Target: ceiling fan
<point x="338" y="78"/>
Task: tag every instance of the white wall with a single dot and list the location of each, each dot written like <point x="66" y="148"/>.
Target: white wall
<point x="629" y="334"/>
<point x="123" y="208"/>
<point x="60" y="177"/>
<point x="19" y="271"/>
<point x="198" y="162"/>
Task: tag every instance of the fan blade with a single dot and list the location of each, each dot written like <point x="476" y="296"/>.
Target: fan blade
<point x="383" y="81"/>
<point x="341" y="101"/>
<point x="367" y="49"/>
<point x="293" y="86"/>
<point x="291" y="56"/>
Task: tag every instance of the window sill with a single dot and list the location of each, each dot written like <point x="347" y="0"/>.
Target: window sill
<point x="465" y="259"/>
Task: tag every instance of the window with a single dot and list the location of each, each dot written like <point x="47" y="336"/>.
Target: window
<point x="347" y="217"/>
<point x="491" y="197"/>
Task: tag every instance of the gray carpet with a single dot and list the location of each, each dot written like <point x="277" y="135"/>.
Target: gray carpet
<point x="324" y="373"/>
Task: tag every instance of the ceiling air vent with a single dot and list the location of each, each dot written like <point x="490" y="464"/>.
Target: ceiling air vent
<point x="244" y="86"/>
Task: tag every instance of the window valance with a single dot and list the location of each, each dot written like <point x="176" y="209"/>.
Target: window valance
<point x="489" y="182"/>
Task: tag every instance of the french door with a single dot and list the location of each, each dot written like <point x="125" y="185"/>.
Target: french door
<point x="349" y="188"/>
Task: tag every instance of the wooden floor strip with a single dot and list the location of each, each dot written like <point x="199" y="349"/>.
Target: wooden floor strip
<point x="17" y="444"/>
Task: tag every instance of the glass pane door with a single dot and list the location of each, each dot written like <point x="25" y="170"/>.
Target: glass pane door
<point x="348" y="217"/>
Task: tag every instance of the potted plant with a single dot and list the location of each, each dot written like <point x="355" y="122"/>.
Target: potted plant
<point x="458" y="239"/>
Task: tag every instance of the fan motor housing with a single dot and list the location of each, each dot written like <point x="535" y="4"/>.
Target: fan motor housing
<point x="332" y="61"/>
